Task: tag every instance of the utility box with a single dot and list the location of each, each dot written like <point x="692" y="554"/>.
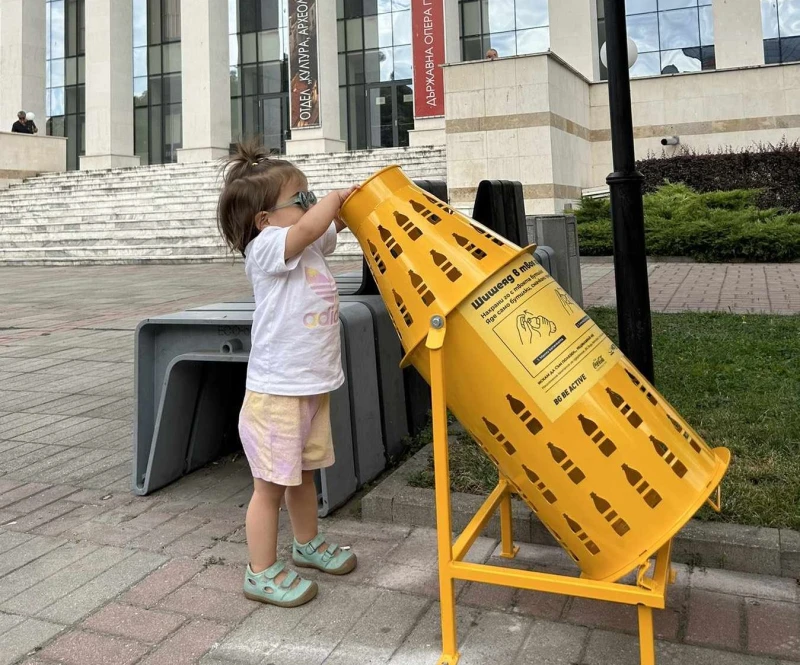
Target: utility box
<point x="561" y="233"/>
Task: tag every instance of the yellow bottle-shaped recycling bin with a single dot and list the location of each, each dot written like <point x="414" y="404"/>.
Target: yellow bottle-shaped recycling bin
<point x="609" y="467"/>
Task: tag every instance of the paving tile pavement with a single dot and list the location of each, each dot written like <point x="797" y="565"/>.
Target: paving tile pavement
<point x="91" y="574"/>
<point x="676" y="287"/>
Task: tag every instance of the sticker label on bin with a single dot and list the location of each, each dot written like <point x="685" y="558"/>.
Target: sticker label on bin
<point x="553" y="348"/>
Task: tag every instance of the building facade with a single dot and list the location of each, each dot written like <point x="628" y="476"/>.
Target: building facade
<point x="154" y="81"/>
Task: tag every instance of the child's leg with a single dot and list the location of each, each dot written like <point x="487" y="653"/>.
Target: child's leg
<point x="262" y="524"/>
<point x="267" y="580"/>
<point x="301" y="500"/>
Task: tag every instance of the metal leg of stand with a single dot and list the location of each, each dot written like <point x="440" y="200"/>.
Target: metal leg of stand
<point x="646" y="638"/>
<point x="441" y="461"/>
<point x="507" y="548"/>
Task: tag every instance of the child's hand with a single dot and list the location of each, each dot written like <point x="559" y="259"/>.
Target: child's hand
<point x="344" y="193"/>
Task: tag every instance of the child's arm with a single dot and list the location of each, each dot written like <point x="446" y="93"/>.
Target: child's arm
<point x="315" y="222"/>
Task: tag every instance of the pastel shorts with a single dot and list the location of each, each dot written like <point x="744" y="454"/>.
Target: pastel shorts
<point x="284" y="436"/>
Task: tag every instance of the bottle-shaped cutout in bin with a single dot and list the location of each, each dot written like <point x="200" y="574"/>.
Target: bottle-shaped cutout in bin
<point x="686" y="435"/>
<point x="403" y="309"/>
<point x="407" y="225"/>
<point x="440" y="204"/>
<point x="388" y="239"/>
<point x="429" y="215"/>
<point x="611" y="516"/>
<point x="537" y="481"/>
<point x="642" y="487"/>
<point x="527" y="418"/>
<point x="650" y="397"/>
<point x="669" y="457"/>
<point x="471" y="247"/>
<point x="445" y="266"/>
<point x="494" y="430"/>
<point x="376" y="257"/>
<point x="577" y="529"/>
<point x="624" y="408"/>
<point x="422" y="288"/>
<point x="597" y="435"/>
<point x="486" y="234"/>
<point x="562" y="459"/>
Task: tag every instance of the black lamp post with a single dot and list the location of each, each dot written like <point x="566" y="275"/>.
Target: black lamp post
<point x="627" y="212"/>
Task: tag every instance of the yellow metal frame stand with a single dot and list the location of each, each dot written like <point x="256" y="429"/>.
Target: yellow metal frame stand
<point x="648" y="594"/>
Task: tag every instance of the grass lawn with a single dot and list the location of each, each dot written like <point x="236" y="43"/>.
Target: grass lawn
<point x="736" y="379"/>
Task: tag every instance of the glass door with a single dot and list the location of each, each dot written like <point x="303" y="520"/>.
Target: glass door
<point x="391" y="114"/>
<point x="381" y="116"/>
<point x="273" y="121"/>
<point x="404" y="94"/>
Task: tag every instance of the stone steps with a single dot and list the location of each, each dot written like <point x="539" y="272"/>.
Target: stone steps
<point x="100" y="221"/>
<point x="323" y="181"/>
<point x="423" y="157"/>
<point x="141" y="250"/>
<point x="176" y="236"/>
<point x="206" y="188"/>
<point x="160" y="214"/>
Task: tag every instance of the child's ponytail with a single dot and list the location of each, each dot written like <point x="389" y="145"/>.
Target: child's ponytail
<point x="252" y="183"/>
<point x="248" y="158"/>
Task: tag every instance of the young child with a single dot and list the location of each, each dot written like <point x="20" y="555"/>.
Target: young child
<point x="267" y="214"/>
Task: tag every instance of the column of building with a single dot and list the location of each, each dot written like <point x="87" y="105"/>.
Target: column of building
<point x="738" y="33"/>
<point x="206" y="95"/>
<point x="573" y="35"/>
<point x="109" y="85"/>
<point x="22" y="60"/>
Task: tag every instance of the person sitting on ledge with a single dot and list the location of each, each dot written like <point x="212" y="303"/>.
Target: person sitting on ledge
<point x="492" y="54"/>
<point x="21" y="126"/>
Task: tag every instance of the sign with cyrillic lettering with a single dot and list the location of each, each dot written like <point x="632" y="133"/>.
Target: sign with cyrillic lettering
<point x="427" y="17"/>
<point x="304" y="63"/>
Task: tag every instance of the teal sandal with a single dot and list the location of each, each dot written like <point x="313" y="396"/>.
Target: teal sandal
<point x="333" y="559"/>
<point x="263" y="588"/>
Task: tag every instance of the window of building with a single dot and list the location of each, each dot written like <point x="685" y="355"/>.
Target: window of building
<point x="511" y="27"/>
<point x="157" y="80"/>
<point x="65" y="89"/>
<point x="376" y="96"/>
<point x="259" y="70"/>
<point x="672" y="36"/>
<point x="781" y="22"/>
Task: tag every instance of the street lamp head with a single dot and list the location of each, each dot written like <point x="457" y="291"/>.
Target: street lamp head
<point x="633" y="54"/>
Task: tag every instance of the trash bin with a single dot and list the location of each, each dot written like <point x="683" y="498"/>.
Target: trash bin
<point x="609" y="467"/>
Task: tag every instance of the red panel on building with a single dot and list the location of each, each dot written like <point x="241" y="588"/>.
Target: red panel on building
<point x="427" y="17"/>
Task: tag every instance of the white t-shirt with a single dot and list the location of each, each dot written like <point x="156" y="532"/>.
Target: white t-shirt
<point x="296" y="349"/>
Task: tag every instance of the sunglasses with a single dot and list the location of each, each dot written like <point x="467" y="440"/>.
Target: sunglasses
<point x="303" y="199"/>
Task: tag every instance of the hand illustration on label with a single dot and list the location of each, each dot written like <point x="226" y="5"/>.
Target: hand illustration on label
<point x="528" y="324"/>
<point x="565" y="301"/>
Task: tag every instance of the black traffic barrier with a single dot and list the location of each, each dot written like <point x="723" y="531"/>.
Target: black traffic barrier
<point x="500" y="206"/>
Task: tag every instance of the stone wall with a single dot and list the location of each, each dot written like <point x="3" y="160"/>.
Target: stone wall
<point x="734" y="108"/>
<point x="25" y="155"/>
<point x="536" y="120"/>
<point x="520" y="119"/>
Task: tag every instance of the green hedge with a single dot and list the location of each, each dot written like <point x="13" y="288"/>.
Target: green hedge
<point x="772" y="169"/>
<point x="714" y="226"/>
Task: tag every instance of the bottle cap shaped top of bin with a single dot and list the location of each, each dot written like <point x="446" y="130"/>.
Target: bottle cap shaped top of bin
<point x="608" y="466"/>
